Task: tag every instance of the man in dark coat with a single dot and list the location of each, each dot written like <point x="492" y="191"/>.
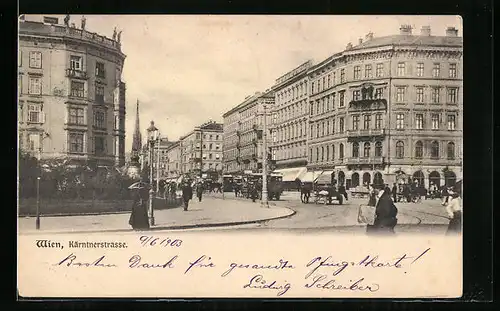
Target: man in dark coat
<point x="187" y="194"/>
<point x="343" y="191"/>
<point x="199" y="191"/>
<point x="385" y="214"/>
<point x="394" y="192"/>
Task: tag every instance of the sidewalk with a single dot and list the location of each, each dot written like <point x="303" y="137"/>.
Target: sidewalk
<point x="210" y="212"/>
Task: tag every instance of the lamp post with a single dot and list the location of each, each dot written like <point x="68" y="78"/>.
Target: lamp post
<point x="39" y="157"/>
<point x="152" y="133"/>
<point x="264" y="159"/>
<point x="158" y="165"/>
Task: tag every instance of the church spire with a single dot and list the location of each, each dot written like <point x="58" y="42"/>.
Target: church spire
<point x="137" y="138"/>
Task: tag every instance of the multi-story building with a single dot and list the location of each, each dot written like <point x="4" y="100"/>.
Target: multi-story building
<point x="173" y="161"/>
<point x="243" y="133"/>
<point x="290" y="119"/>
<point x="71" y="100"/>
<point x="201" y="150"/>
<point x="389" y="105"/>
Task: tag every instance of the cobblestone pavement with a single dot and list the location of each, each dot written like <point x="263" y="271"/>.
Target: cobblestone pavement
<point x="209" y="212"/>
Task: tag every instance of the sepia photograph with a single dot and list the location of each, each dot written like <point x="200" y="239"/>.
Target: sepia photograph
<point x="224" y="150"/>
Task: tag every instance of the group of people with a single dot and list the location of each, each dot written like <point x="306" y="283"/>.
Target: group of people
<point x="386" y="211"/>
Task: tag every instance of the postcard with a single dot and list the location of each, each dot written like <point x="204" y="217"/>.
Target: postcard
<point x="240" y="156"/>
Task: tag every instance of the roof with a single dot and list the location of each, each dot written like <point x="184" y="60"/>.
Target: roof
<point x="411" y="40"/>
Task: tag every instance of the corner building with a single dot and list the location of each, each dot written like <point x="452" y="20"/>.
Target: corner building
<point x="71" y="101"/>
<point x="389" y="105"/>
<point x="243" y="133"/>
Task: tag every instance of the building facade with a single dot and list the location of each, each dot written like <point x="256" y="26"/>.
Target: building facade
<point x="389" y="105"/>
<point x="243" y="133"/>
<point x="71" y="101"/>
<point x="290" y="120"/>
<point x="201" y="149"/>
<point x="173" y="160"/>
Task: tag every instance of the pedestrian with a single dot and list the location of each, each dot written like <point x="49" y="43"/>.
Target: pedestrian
<point x="406" y="193"/>
<point x="343" y="191"/>
<point x="199" y="191"/>
<point x="394" y="192"/>
<point x="139" y="216"/>
<point x="372" y="194"/>
<point x="444" y="195"/>
<point x="385" y="214"/>
<point x="187" y="194"/>
<point x="454" y="210"/>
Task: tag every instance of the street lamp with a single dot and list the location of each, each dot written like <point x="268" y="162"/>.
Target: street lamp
<point x="264" y="159"/>
<point x="39" y="157"/>
<point x="152" y="135"/>
<point x="158" y="165"/>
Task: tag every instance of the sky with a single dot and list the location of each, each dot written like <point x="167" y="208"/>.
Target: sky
<point x="188" y="69"/>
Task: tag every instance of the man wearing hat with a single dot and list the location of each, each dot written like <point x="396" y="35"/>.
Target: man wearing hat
<point x="187" y="193"/>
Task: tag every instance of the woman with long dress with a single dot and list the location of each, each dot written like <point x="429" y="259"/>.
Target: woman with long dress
<point x="139" y="216"/>
<point x="385" y="214"/>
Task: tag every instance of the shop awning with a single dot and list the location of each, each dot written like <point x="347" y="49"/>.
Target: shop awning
<point x="291" y="174"/>
<point x="310" y="176"/>
<point x="325" y="178"/>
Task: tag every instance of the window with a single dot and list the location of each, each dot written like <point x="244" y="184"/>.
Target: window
<point x="435" y="95"/>
<point x="99" y="70"/>
<point x="400" y="150"/>
<point x="378" y="149"/>
<point x="217" y="156"/>
<point x="355" y="150"/>
<point x="400" y="121"/>
<point x="435" y="121"/>
<point x="75" y="62"/>
<point x="450" y="151"/>
<point x="368" y="71"/>
<point x="333" y="126"/>
<point x="35" y="59"/>
<point x="33" y="141"/>
<point x="99" y="119"/>
<point x="342" y="75"/>
<point x="328" y="127"/>
<point x="75" y="142"/>
<point x="400" y="94"/>
<point x="366" y="150"/>
<point x="334" y="79"/>
<point x="99" y="145"/>
<point x="356" y="95"/>
<point x="333" y="100"/>
<point x="77" y="89"/>
<point x="333" y="152"/>
<point x="379" y="93"/>
<point x="451" y="122"/>
<point x="217" y="138"/>
<point x="419" y="150"/>
<point x="317" y="154"/>
<point x="379" y="70"/>
<point x="341" y="98"/>
<point x="357" y="72"/>
<point x="434" y="150"/>
<point x="453" y="71"/>
<point x="420" y="94"/>
<point x="322" y="154"/>
<point x="367" y="119"/>
<point x="210" y="156"/>
<point x="341" y="151"/>
<point x="312" y="87"/>
<point x="35" y="113"/>
<point x="419" y="121"/>
<point x="324" y="83"/>
<point x="378" y="121"/>
<point x="420" y="69"/>
<point x="355" y="123"/>
<point x="35" y="86"/>
<point x="76" y="116"/>
<point x="436" y="70"/>
<point x="317" y="130"/>
<point x="341" y="124"/>
<point x="99" y="94"/>
<point x="329" y="81"/>
<point x="401" y="69"/>
<point x="452" y="95"/>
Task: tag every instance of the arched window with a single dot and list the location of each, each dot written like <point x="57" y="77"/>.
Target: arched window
<point x="341" y="151"/>
<point x="317" y="154"/>
<point x="366" y="150"/>
<point x="355" y="150"/>
<point x="322" y="154"/>
<point x="451" y="151"/>
<point x="310" y="154"/>
<point x="333" y="152"/>
<point x="328" y="153"/>
<point x="378" y="149"/>
<point x="400" y="150"/>
<point x="419" y="150"/>
<point x="435" y="150"/>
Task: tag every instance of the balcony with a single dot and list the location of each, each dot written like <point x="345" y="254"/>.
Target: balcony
<point x="76" y="74"/>
<point x="365" y="160"/>
<point x="368" y="105"/>
<point x="365" y="133"/>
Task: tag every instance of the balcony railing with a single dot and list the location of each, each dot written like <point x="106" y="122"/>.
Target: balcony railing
<point x="77" y="74"/>
<point x="365" y="160"/>
<point x="364" y="132"/>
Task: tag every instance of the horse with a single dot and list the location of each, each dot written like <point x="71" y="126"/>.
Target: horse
<point x="305" y="192"/>
<point x="215" y="187"/>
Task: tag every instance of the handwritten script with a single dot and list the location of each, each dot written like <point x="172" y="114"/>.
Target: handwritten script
<point x="322" y="272"/>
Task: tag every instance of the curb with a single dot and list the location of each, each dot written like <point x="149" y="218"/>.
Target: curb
<point x="180" y="227"/>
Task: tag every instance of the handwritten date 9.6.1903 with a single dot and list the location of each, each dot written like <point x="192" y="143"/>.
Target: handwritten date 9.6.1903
<point x="152" y="241"/>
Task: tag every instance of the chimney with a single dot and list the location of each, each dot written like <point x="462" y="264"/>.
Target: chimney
<point x="425" y="31"/>
<point x="360" y="41"/>
<point x="451" y="32"/>
<point x="405" y="30"/>
<point x="369" y="36"/>
<point x="349" y="46"/>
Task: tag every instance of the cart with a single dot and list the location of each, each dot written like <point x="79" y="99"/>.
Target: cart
<point x="326" y="194"/>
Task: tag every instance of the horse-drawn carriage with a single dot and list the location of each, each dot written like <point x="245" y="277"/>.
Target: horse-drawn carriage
<point x="253" y="181"/>
<point x="326" y="194"/>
